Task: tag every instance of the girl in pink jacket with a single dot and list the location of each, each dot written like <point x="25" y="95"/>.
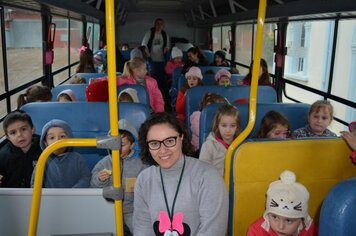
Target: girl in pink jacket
<point x="135" y="72"/>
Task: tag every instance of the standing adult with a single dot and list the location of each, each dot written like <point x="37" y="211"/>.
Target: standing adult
<point x="178" y="194"/>
<point x="157" y="43"/>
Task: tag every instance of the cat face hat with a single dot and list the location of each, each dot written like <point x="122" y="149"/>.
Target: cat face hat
<point x="288" y="198"/>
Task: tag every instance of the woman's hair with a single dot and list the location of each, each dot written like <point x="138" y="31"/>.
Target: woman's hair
<point x="322" y="105"/>
<point x="86" y="62"/>
<point x="162" y="118"/>
<point x="264" y="79"/>
<point x="197" y="50"/>
<point x="226" y="110"/>
<point x="270" y="121"/>
<point x="210" y="98"/>
<point x="132" y="64"/>
<point x="77" y="80"/>
<point x="35" y="93"/>
<point x="16" y="116"/>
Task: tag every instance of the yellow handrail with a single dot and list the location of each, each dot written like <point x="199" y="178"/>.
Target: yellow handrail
<point x="113" y="108"/>
<point x="37" y="188"/>
<point x="253" y="92"/>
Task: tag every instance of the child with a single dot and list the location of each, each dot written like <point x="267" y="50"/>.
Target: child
<point x="264" y="77"/>
<point x="286" y="210"/>
<point x="98" y="63"/>
<point x="195" y="58"/>
<point x="35" y="93"/>
<point x="86" y="61"/>
<point x="223" y="77"/>
<point x="194" y="78"/>
<point x="66" y="95"/>
<point x="219" y="59"/>
<point x="208" y="98"/>
<point x="64" y="168"/>
<point x="226" y="127"/>
<point x="77" y="80"/>
<point x="97" y="90"/>
<point x="350" y="138"/>
<point x="128" y="95"/>
<point x="175" y="62"/>
<point x="135" y="72"/>
<point x="131" y="166"/>
<point x="20" y="154"/>
<point x="319" y="118"/>
<point x="274" y="125"/>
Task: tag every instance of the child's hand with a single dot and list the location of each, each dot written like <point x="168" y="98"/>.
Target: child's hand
<point x="350" y="139"/>
<point x="104" y="175"/>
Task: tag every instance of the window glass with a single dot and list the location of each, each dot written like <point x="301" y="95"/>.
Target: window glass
<point x="3" y="113"/>
<point x="23" y="46"/>
<point x="226" y="30"/>
<point x="76" y="34"/>
<point x="344" y="76"/>
<point x="60" y="46"/>
<point x="243" y="46"/>
<point x="89" y="34"/>
<point x="268" y="44"/>
<point x="216" y="38"/>
<point x="2" y="85"/>
<point x="96" y="34"/>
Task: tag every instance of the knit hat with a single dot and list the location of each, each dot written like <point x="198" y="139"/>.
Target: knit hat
<point x="221" y="54"/>
<point x="132" y="92"/>
<point x="54" y="123"/>
<point x="287" y="198"/>
<point x="176" y="52"/>
<point x="194" y="71"/>
<point x="352" y="126"/>
<point x="97" y="90"/>
<point x="126" y="125"/>
<point x="68" y="92"/>
<point x="136" y="52"/>
<point x="222" y="72"/>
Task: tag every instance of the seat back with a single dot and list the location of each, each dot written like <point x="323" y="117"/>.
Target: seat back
<point x="209" y="56"/>
<point x="78" y="89"/>
<point x="265" y="94"/>
<point x="86" y="119"/>
<point x="338" y="212"/>
<point x="89" y="76"/>
<point x="318" y="164"/>
<point x="296" y="113"/>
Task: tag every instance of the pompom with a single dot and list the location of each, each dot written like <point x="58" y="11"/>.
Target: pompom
<point x="288" y="177"/>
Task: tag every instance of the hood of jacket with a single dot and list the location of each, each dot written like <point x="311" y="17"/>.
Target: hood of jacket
<point x="54" y="123"/>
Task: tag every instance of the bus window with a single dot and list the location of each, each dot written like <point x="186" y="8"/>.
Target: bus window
<point x="96" y="36"/>
<point x="60" y="48"/>
<point x="225" y="41"/>
<point x="2" y="85"/>
<point x="243" y="46"/>
<point x="216" y="38"/>
<point x="23" y="46"/>
<point x="268" y="44"/>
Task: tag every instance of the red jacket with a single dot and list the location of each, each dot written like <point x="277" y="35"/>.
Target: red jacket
<point x="171" y="65"/>
<point x="180" y="106"/>
<point x="156" y="98"/>
<point x="256" y="230"/>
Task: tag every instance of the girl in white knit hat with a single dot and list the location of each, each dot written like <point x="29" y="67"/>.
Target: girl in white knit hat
<point x="286" y="210"/>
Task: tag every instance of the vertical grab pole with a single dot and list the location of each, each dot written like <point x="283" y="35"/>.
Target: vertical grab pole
<point x="253" y="92"/>
<point x="113" y="107"/>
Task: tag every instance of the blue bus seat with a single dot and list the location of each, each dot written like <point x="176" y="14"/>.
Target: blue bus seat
<point x="212" y="69"/>
<point x="142" y="93"/>
<point x="78" y="89"/>
<point x="87" y="120"/>
<point x="209" y="56"/>
<point x="89" y="76"/>
<point x="318" y="164"/>
<point x="209" y="79"/>
<point x="338" y="212"/>
<point x="297" y="114"/>
<point x="265" y="94"/>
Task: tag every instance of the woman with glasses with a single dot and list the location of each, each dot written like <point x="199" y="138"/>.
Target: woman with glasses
<point x="274" y="125"/>
<point x="178" y="195"/>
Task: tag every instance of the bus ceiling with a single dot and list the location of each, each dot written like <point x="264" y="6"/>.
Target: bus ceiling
<point x="197" y="13"/>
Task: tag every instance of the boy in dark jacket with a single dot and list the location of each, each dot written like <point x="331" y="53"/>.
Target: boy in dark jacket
<point x="19" y="156"/>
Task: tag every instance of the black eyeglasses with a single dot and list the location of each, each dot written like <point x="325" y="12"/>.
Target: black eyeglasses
<point x="168" y="142"/>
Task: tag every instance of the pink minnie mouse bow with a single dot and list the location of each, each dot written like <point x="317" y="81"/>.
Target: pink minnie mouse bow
<point x="165" y="222"/>
<point x="82" y="49"/>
